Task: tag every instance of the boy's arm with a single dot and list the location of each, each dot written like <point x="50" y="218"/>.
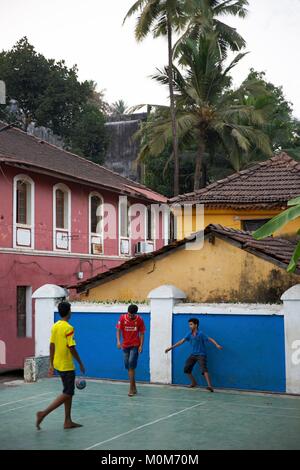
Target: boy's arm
<point x="52" y="352"/>
<point x="142" y="336"/>
<point x="175" y="345"/>
<point x="77" y="357"/>
<point x="118" y="338"/>
<point x="215" y="343"/>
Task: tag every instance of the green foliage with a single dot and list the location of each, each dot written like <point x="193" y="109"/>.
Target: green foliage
<point x="208" y="115"/>
<point x="50" y="94"/>
<point x="88" y="136"/>
<point x="279" y="221"/>
<point x="118" y="108"/>
<point x="280" y="125"/>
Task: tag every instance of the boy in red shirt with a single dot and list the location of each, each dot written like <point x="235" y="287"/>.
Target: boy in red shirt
<point x="133" y="329"/>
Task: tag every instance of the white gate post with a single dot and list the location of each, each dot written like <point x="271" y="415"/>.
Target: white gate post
<point x="291" y="307"/>
<point x="162" y="301"/>
<point x="46" y="298"/>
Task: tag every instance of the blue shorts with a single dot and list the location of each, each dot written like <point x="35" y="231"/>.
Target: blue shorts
<point x="68" y="380"/>
<point x="131" y="356"/>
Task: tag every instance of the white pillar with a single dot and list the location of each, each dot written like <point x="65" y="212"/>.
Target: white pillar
<point x="291" y="307"/>
<point x="46" y="299"/>
<point x="162" y="301"/>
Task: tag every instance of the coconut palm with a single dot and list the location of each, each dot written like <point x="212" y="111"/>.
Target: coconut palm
<point x="208" y="16"/>
<point x="162" y="18"/>
<point x="279" y="221"/>
<point x="207" y="112"/>
<point x="118" y="108"/>
<point x="169" y="17"/>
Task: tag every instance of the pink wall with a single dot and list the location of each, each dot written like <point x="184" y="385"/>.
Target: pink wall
<point x="35" y="269"/>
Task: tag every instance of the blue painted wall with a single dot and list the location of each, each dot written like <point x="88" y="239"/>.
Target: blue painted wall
<point x="95" y="335"/>
<point x="253" y="357"/>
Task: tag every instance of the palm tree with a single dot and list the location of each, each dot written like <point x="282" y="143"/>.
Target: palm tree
<point x="118" y="108"/>
<point x="207" y="17"/>
<point x="166" y="17"/>
<point x="206" y="110"/>
<point x="161" y="18"/>
<point x="279" y="221"/>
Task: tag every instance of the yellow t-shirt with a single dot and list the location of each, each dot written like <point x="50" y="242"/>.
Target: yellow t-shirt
<point x="62" y="335"/>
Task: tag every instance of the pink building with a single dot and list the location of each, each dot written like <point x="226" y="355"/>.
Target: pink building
<point x="62" y="219"/>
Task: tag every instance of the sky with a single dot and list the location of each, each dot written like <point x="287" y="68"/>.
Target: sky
<point x="90" y="34"/>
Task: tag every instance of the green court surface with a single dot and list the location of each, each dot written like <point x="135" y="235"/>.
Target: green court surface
<point x="158" y="418"/>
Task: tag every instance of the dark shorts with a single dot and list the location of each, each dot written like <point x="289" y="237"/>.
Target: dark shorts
<point x="192" y="360"/>
<point x="131" y="356"/>
<point x="68" y="380"/>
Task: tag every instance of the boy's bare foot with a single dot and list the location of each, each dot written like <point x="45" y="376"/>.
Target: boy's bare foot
<point x="39" y="418"/>
<point x="131" y="393"/>
<point x="192" y="385"/>
<point x="72" y="425"/>
<point x="210" y="389"/>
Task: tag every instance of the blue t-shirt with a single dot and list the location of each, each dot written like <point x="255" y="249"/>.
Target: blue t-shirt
<point x="198" y="343"/>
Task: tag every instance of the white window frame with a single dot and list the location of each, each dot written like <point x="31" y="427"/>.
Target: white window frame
<point x="26" y="227"/>
<point x="28" y="312"/>
<point x="92" y="234"/>
<point x="153" y="229"/>
<point x="66" y="231"/>
<point x="122" y="199"/>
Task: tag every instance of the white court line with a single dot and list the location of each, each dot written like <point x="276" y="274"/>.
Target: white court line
<point x="145" y="426"/>
<point x="133" y="402"/>
<point x="269" y="407"/>
<point x="139" y="395"/>
<point x="24" y="406"/>
<point x="27" y="398"/>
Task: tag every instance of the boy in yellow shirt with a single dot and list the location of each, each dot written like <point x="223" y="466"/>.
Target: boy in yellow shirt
<point x="62" y="352"/>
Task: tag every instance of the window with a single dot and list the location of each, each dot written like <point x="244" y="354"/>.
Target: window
<point x="22" y="193"/>
<point x="62" y="217"/>
<point x="124" y="226"/>
<point x="149" y="233"/>
<point x="150" y="224"/>
<point x="254" y="224"/>
<point x="173" y="228"/>
<point x="60" y="209"/>
<point x="24" y="312"/>
<point x="96" y="223"/>
<point x="23" y="218"/>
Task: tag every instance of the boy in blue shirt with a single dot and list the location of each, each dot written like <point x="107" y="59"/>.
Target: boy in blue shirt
<point x="198" y="341"/>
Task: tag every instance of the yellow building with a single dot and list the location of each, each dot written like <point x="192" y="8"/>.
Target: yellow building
<point x="229" y="266"/>
<point x="244" y="200"/>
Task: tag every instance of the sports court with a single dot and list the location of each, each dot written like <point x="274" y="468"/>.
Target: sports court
<point x="159" y="418"/>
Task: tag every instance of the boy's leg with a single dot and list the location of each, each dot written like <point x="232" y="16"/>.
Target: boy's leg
<point x="203" y="365"/>
<point x="131" y="375"/>
<point x="188" y="368"/>
<point x="55" y="404"/>
<point x="69" y="424"/>
<point x="132" y="386"/>
<point x="132" y="364"/>
<point x="69" y="388"/>
<point x="68" y="380"/>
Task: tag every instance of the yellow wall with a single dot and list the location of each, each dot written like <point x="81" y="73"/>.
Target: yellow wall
<point x="229" y="218"/>
<point x="219" y="272"/>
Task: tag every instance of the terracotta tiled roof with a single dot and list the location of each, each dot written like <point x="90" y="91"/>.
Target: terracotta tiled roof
<point x="266" y="185"/>
<point x="275" y="250"/>
<point x="17" y="147"/>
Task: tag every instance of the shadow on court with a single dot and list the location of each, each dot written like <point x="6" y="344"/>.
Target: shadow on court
<point x="160" y="417"/>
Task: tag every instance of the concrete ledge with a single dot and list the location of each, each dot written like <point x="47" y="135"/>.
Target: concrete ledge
<point x="36" y="368"/>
